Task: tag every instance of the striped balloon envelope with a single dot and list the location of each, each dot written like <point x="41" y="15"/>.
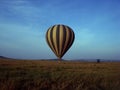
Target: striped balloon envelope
<point x="60" y="38"/>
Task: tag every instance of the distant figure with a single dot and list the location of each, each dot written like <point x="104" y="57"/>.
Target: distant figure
<point x="98" y="60"/>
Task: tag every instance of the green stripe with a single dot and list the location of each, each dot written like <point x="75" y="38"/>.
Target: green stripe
<point x="51" y="38"/>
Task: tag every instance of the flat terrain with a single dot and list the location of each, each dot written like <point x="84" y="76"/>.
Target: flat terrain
<point x="58" y="75"/>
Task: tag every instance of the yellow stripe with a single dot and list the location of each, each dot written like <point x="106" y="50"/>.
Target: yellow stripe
<point x="49" y="41"/>
<point x="61" y="39"/>
<point x="55" y="38"/>
<point x="67" y="39"/>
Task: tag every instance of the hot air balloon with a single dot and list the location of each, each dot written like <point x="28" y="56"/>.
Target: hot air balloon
<point x="60" y="38"/>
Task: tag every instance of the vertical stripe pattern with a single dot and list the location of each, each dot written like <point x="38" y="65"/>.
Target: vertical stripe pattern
<point x="60" y="38"/>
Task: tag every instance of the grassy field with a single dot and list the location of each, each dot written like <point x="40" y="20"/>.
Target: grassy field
<point x="56" y="75"/>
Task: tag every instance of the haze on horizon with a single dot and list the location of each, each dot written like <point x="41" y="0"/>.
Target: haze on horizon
<point x="96" y="23"/>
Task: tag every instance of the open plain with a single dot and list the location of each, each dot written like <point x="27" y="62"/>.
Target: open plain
<point x="58" y="75"/>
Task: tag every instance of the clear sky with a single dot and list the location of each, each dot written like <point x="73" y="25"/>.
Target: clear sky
<point x="96" y="23"/>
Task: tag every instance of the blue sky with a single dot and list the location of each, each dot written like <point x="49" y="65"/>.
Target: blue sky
<point x="96" y="23"/>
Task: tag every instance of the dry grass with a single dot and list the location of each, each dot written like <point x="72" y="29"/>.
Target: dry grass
<point x="54" y="75"/>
